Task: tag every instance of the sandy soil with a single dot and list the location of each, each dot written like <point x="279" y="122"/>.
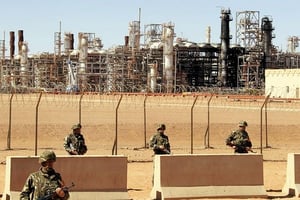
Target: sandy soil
<point x="106" y="117"/>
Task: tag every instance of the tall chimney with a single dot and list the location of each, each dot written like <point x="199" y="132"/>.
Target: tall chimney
<point x="21" y="40"/>
<point x="208" y="34"/>
<point x="12" y="44"/>
<point x="225" y="43"/>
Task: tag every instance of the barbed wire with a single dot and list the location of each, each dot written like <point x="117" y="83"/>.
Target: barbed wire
<point x="121" y="87"/>
<point x="97" y="106"/>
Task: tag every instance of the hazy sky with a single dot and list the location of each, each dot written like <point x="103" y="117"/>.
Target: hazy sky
<point x="109" y="19"/>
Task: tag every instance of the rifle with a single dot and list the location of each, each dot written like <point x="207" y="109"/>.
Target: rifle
<point x="243" y="149"/>
<point x="251" y="150"/>
<point x="53" y="194"/>
<point x="82" y="148"/>
<point x="162" y="151"/>
<point x="167" y="151"/>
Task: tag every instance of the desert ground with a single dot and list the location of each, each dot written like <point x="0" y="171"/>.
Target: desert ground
<point x="31" y="123"/>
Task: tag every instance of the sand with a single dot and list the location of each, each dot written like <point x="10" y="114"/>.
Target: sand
<point x="31" y="125"/>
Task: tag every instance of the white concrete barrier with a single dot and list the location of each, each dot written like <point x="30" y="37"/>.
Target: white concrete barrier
<point x="211" y="176"/>
<point x="292" y="184"/>
<point x="95" y="177"/>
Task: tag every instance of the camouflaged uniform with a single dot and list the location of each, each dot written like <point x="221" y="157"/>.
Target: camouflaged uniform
<point x="40" y="184"/>
<point x="75" y="142"/>
<point x="240" y="139"/>
<point x="160" y="139"/>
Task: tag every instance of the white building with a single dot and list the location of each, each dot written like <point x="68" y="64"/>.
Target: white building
<point x="282" y="83"/>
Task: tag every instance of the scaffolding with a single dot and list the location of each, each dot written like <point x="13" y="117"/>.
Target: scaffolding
<point x="162" y="63"/>
<point x="248" y="29"/>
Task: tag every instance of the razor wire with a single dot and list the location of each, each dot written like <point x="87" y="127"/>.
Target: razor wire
<point x="59" y="87"/>
<point x="134" y="102"/>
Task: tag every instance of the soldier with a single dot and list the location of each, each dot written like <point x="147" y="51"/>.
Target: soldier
<point x="239" y="140"/>
<point x="45" y="183"/>
<point x="160" y="142"/>
<point x="74" y="143"/>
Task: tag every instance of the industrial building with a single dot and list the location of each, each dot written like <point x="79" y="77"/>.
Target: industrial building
<point x="283" y="83"/>
<point x="151" y="60"/>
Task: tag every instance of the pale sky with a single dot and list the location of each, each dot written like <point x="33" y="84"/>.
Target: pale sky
<point x="109" y="19"/>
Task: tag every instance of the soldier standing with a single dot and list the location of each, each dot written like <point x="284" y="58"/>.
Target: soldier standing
<point x="45" y="183"/>
<point x="74" y="143"/>
<point x="239" y="140"/>
<point x="160" y="142"/>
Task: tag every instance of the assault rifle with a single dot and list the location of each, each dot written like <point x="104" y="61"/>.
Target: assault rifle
<point x="53" y="194"/>
<point x="251" y="150"/>
<point x="241" y="148"/>
<point x="162" y="151"/>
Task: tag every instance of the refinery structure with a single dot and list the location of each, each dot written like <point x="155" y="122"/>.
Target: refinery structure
<point x="152" y="59"/>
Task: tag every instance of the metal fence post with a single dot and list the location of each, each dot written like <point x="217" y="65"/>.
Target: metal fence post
<point x="145" y="122"/>
<point x="207" y="133"/>
<point x="192" y="124"/>
<point x="261" y="137"/>
<point x="79" y="115"/>
<point x="9" y="123"/>
<point x="36" y="123"/>
<point x="115" y="146"/>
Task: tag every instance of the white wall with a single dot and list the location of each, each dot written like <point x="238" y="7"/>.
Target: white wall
<point x="284" y="83"/>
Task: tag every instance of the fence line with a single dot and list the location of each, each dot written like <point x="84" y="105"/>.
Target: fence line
<point x="147" y="102"/>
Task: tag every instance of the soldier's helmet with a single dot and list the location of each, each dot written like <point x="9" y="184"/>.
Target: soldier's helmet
<point x="161" y="127"/>
<point x="76" y="126"/>
<point x="243" y="124"/>
<point x="47" y="156"/>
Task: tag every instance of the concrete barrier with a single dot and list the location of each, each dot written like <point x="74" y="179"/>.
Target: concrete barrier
<point x="292" y="184"/>
<point x="95" y="177"/>
<point x="208" y="176"/>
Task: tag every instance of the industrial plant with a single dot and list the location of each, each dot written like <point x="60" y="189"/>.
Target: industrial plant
<point x="152" y="59"/>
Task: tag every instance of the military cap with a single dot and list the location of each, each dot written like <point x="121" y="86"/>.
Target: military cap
<point x="161" y="126"/>
<point x="243" y="123"/>
<point x="47" y="156"/>
<point x="76" y="126"/>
